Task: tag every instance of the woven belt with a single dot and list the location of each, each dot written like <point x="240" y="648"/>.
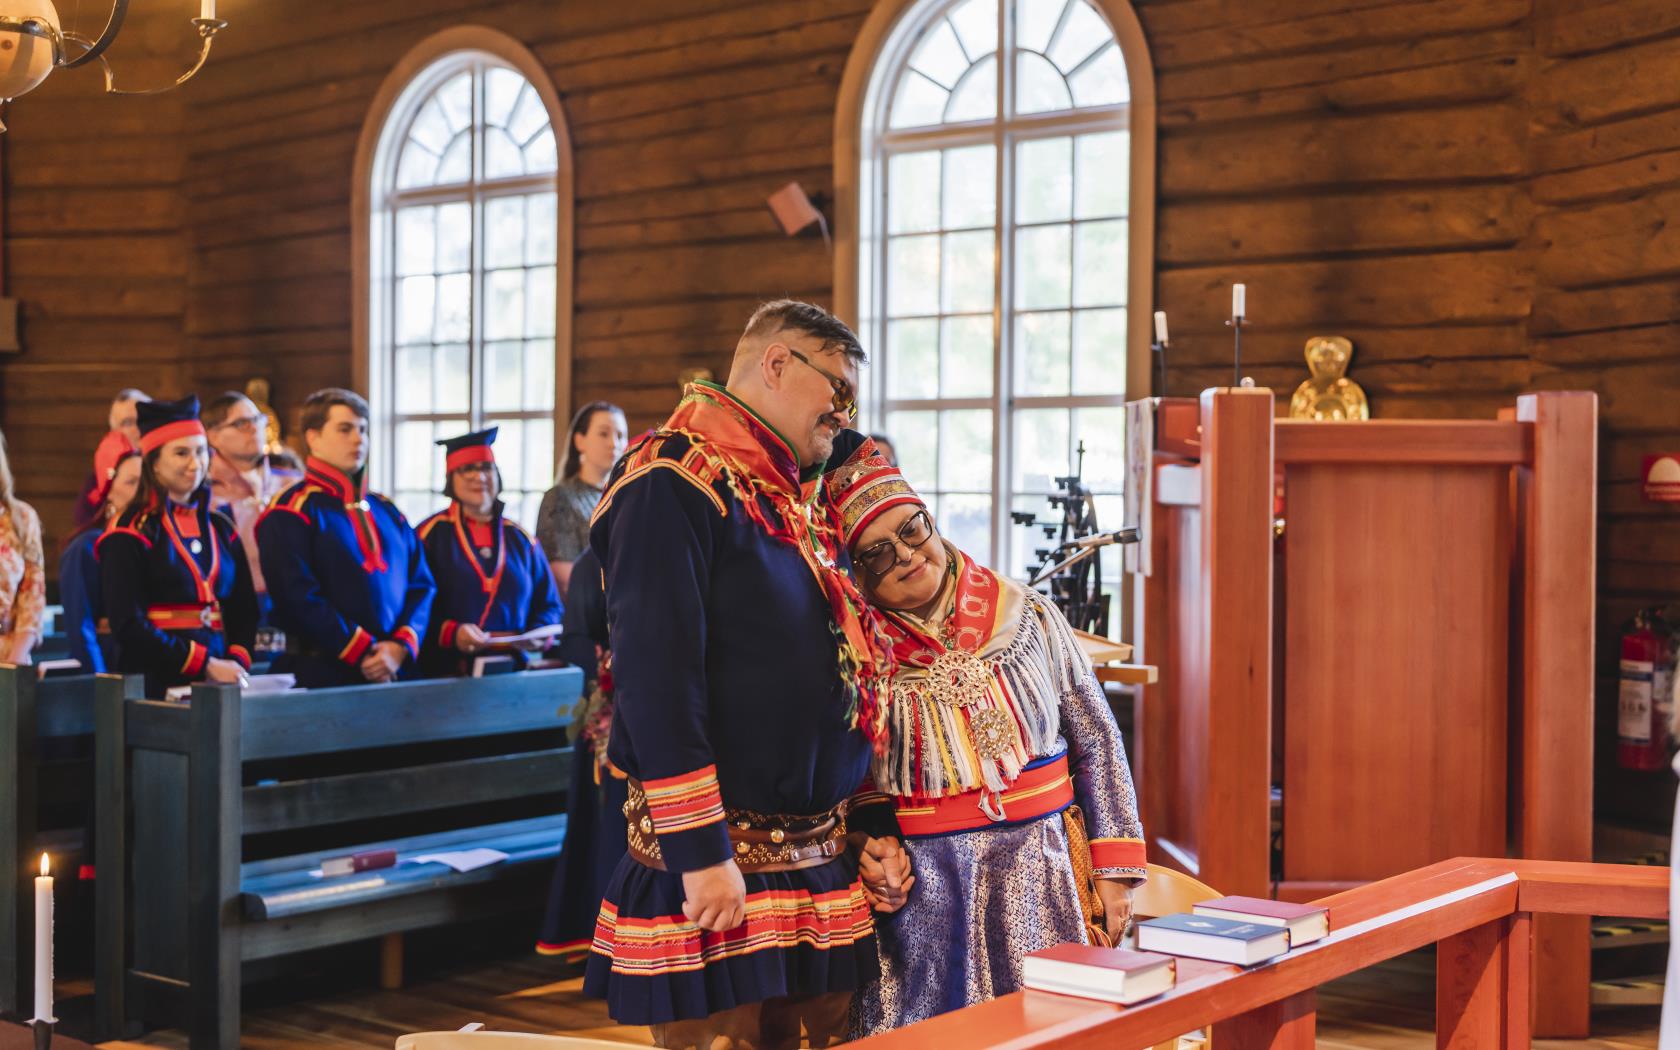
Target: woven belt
<point x="762" y="843"/>
<point x="190" y="617"/>
<point x="1039" y="791"/>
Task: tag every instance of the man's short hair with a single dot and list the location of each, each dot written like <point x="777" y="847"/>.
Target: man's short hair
<point x="791" y="315"/>
<point x="317" y="406"/>
<point x="215" y="411"/>
<point x="129" y="393"/>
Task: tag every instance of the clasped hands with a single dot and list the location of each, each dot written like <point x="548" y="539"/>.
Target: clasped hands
<point x="715" y="898"/>
<point x="383" y="661"/>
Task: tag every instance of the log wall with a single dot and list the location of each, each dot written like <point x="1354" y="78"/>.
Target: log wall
<point x="1476" y="192"/>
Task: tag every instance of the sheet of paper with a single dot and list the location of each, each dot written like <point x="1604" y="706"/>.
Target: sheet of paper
<point x="535" y="634"/>
<point x="463" y="859"/>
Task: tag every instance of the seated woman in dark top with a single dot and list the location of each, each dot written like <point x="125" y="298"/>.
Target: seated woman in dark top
<point x="597" y="439"/>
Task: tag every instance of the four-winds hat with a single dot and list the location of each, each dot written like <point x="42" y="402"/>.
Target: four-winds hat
<point x="163" y="421"/>
<point x="113" y="448"/>
<point x="865" y="486"/>
<point x="468" y="449"/>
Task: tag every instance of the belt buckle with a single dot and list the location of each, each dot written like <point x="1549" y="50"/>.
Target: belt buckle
<point x="205" y="616"/>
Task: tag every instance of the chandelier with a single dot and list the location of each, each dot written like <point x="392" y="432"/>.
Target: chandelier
<point x="33" y="44"/>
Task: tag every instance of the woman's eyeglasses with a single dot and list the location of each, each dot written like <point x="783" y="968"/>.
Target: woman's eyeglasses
<point x="845" y="398"/>
<point x="879" y="558"/>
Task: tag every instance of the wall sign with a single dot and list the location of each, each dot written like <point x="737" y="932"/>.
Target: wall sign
<point x="1662" y="477"/>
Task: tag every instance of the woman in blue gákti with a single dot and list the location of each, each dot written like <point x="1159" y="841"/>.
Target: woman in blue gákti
<point x="116" y="471"/>
<point x="491" y="577"/>
<point x="176" y="584"/>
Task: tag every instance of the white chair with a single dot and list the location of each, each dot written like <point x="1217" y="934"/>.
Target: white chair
<point x="501" y="1041"/>
<point x="1168" y="892"/>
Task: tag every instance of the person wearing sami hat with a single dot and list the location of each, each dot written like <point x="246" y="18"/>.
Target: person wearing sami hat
<point x="345" y="571"/>
<point x="176" y="585"/>
<point x="116" y="469"/>
<point x="492" y="579"/>
<point x="1002" y="758"/>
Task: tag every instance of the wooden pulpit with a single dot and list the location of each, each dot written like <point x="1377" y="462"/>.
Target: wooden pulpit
<point x="1388" y="625"/>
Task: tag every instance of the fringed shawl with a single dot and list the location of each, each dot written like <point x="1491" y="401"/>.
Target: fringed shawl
<point x="973" y="716"/>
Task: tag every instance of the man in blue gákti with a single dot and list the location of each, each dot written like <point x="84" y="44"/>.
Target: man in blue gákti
<point x="346" y="573"/>
<point x="745" y="666"/>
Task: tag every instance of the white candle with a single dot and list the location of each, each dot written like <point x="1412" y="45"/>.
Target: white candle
<point x="207" y="9"/>
<point x="43" y="944"/>
<point x="1239" y="300"/>
<point x="1160" y="326"/>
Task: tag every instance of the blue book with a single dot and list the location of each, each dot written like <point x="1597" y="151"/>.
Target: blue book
<point x="1206" y="937"/>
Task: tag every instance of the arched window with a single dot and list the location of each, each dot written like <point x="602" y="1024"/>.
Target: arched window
<point x="468" y="283"/>
<point x="993" y="178"/>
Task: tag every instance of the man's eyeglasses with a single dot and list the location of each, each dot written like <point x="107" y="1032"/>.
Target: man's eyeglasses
<point x="246" y="424"/>
<point x="845" y="398"/>
<point x="879" y="558"/>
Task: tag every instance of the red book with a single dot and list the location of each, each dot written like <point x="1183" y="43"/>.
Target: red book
<point x="367" y="860"/>
<point x="1113" y="975"/>
<point x="1306" y="923"/>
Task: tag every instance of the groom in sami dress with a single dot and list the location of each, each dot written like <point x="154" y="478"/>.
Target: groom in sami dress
<point x="746" y="670"/>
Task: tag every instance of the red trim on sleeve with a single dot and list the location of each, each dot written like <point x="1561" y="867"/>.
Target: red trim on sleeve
<point x="410" y="640"/>
<point x="197" y="657"/>
<point x="684" y="802"/>
<point x="356" y="647"/>
<point x="446" y="634"/>
<point x="1118" y="853"/>
<point x="240" y="655"/>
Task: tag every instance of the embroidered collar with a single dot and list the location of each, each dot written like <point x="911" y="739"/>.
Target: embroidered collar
<point x="730" y="423"/>
<point x="350" y="488"/>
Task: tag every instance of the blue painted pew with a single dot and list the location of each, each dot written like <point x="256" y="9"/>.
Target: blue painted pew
<point x="181" y="802"/>
<point x="46" y="791"/>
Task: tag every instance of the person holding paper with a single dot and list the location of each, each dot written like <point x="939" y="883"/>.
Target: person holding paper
<point x="492" y="578"/>
<point x="1002" y="758"/>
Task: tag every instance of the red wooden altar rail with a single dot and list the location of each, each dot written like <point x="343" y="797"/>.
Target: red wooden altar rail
<point x="1479" y="913"/>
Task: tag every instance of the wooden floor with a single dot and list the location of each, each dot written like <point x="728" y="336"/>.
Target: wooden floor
<point x="1388" y="1007"/>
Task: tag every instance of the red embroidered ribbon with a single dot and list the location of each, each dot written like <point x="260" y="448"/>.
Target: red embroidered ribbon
<point x="489" y="581"/>
<point x="973" y="617"/>
<point x="759" y="463"/>
<point x="354" y="497"/>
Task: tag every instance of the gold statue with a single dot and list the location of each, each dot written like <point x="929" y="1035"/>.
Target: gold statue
<point x="1329" y="394"/>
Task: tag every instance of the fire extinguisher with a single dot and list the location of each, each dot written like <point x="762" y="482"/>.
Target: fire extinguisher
<point x="1646" y="694"/>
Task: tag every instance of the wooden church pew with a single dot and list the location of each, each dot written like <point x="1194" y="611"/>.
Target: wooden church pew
<point x="190" y="793"/>
<point x="46" y="794"/>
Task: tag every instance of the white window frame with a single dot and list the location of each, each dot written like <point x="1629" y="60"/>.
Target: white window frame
<point x="376" y="200"/>
<point x="864" y="142"/>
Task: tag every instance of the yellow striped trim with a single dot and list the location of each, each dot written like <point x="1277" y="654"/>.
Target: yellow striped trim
<point x="1006" y="798"/>
<point x="667" y="464"/>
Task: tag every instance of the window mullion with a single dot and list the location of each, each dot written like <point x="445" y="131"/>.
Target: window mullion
<point x="1002" y="314"/>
